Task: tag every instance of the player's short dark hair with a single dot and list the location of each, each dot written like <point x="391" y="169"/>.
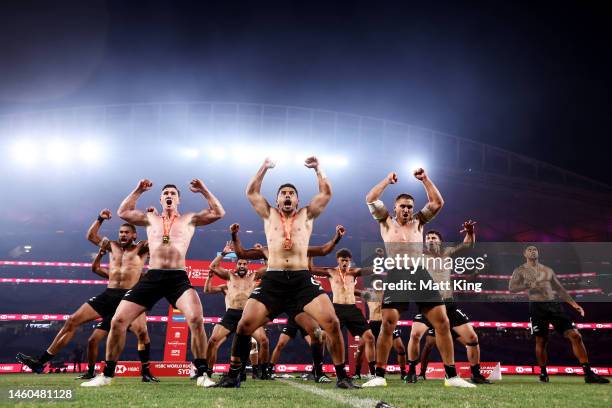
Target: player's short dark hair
<point x="344" y="253"/>
<point x="529" y="245"/>
<point x="404" y="195"/>
<point x="434" y="232"/>
<point x="130" y="226"/>
<point x="171" y="186"/>
<point x="290" y="186"/>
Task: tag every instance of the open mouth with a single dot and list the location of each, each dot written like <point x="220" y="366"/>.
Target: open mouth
<point x="169" y="201"/>
<point x="287" y="203"/>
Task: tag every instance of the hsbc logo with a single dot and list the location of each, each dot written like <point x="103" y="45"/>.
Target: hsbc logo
<point x="3" y="317"/>
<point x="281" y="368"/>
<point x="45" y="317"/>
<point x="308" y="368"/>
<point x="520" y="370"/>
<point x="569" y="370"/>
<point x="120" y="369"/>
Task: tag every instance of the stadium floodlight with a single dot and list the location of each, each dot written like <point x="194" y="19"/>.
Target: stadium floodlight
<point x="215" y="152"/>
<point x="190" y="152"/>
<point x="90" y="151"/>
<point x="24" y="152"/>
<point x="57" y="151"/>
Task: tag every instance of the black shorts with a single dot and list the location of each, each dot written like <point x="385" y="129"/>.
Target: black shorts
<point x="105" y="304"/>
<point x="230" y="319"/>
<point x="286" y="291"/>
<point x="544" y="313"/>
<point x="375" y="327"/>
<point x="157" y="284"/>
<point x="291" y="329"/>
<point x="456" y="318"/>
<point x="351" y="317"/>
<point x="400" y="299"/>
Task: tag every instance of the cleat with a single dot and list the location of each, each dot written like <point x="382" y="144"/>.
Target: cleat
<point x="383" y="404"/>
<point x="98" y="381"/>
<point x="410" y="378"/>
<point x="356" y="376"/>
<point x="593" y="378"/>
<point x="148" y="377"/>
<point x="544" y="378"/>
<point x="31" y="362"/>
<point x="265" y="376"/>
<point x="376" y="382"/>
<point x="346" y="384"/>
<point x="243" y="376"/>
<point x="457" y="381"/>
<point x="421" y="377"/>
<point x="86" y="376"/>
<point x="322" y="379"/>
<point x="205" y="381"/>
<point x="480" y="379"/>
<point x="228" y="382"/>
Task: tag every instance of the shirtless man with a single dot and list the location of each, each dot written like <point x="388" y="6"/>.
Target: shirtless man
<point x="241" y="283"/>
<point x="125" y="269"/>
<point x="310" y="329"/>
<point x="461" y="328"/>
<point x="374" y="301"/>
<point x="169" y="236"/>
<point x="138" y="327"/>
<point x="403" y="235"/>
<point x="541" y="284"/>
<point x="343" y="279"/>
<point x="287" y="285"/>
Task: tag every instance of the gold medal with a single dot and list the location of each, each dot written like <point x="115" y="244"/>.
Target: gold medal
<point x="165" y="239"/>
<point x="287" y="244"/>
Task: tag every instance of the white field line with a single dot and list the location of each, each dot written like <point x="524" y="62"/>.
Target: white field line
<point x="337" y="396"/>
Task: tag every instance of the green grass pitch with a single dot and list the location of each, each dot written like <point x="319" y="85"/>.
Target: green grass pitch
<point x="512" y="391"/>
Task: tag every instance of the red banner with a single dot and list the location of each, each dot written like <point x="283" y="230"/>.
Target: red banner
<point x="177" y="335"/>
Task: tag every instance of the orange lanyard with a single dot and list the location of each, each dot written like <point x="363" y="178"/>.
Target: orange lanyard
<point x="342" y="276"/>
<point x="167" y="228"/>
<point x="287" y="226"/>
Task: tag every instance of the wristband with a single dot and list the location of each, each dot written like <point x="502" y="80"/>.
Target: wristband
<point x="100" y="219"/>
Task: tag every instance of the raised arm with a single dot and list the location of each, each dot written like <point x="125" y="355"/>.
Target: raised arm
<point x="322" y="198"/>
<point x="214" y="265"/>
<point x="253" y="191"/>
<point x="259" y="272"/>
<point x="92" y="232"/>
<point x="434" y="198"/>
<point x="209" y="288"/>
<point x="468" y="240"/>
<point x="127" y="209"/>
<point x="95" y="266"/>
<point x="215" y="210"/>
<point x="564" y="295"/>
<point x="323" y="250"/>
<point x="375" y="204"/>
<point x="241" y="252"/>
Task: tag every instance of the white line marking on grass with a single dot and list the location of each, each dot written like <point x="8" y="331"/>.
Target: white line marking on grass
<point x="336" y="396"/>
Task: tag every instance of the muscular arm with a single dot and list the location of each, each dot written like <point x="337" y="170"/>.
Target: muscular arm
<point x="315" y="270"/>
<point x="468" y="240"/>
<point x="95" y="266"/>
<point x="322" y="198"/>
<point x="92" y="232"/>
<point x="218" y="270"/>
<point x="434" y="198"/>
<point x="557" y="287"/>
<point x="323" y="250"/>
<point x="215" y="210"/>
<point x="253" y="191"/>
<point x="517" y="283"/>
<point x="242" y="253"/>
<point x="259" y="272"/>
<point x="377" y="208"/>
<point x="208" y="288"/>
<point x="127" y="210"/>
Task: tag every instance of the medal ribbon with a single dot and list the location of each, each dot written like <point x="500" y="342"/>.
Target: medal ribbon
<point x="167" y="227"/>
<point x="287" y="226"/>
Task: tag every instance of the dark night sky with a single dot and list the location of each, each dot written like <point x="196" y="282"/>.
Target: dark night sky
<point x="532" y="79"/>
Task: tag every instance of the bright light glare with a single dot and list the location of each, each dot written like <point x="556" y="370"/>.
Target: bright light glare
<point x="90" y="151"/>
<point x="190" y="152"/>
<point x="24" y="152"/>
<point x="215" y="152"/>
<point x="57" y="151"/>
